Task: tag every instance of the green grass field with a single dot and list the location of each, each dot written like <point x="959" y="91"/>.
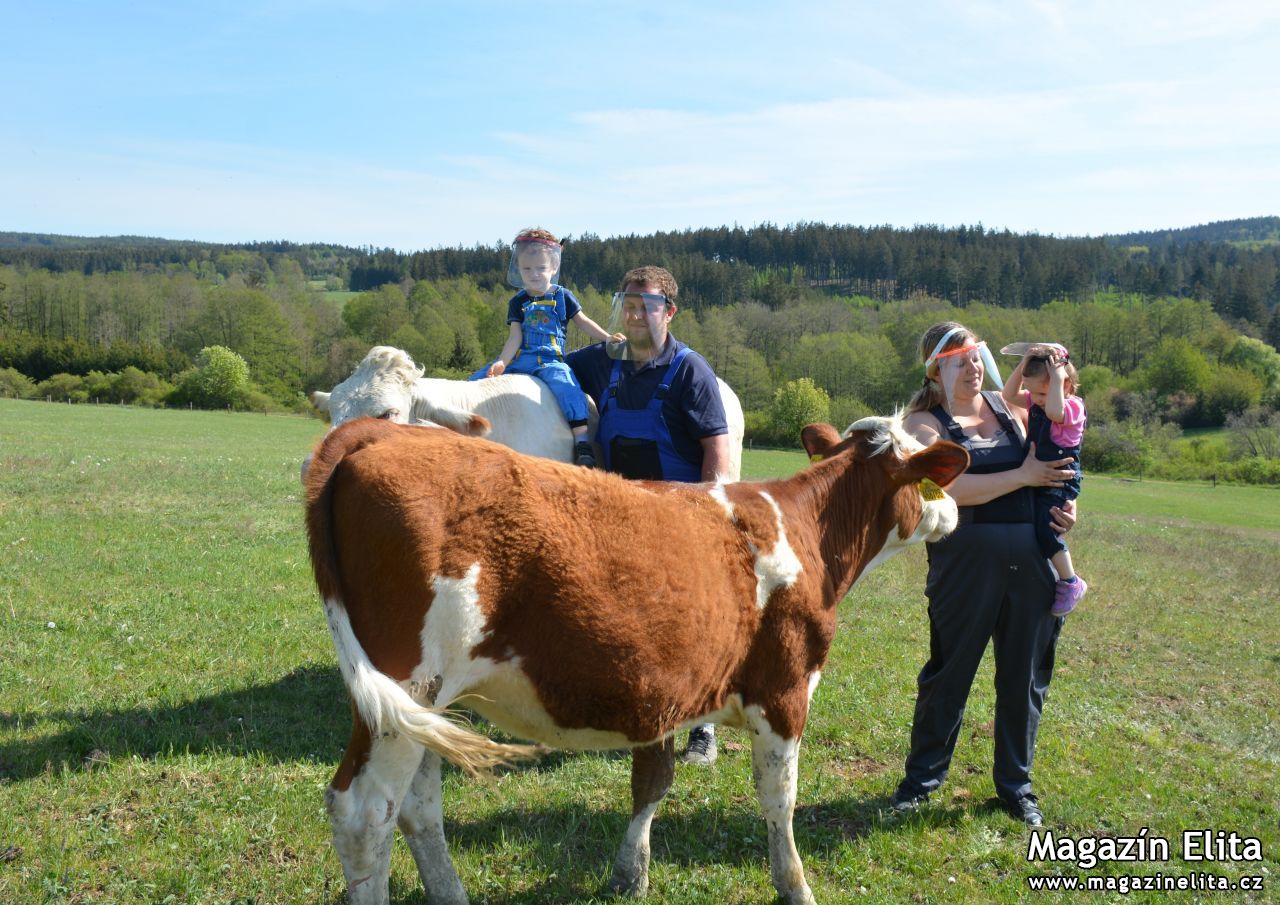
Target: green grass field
<point x="170" y="712"/>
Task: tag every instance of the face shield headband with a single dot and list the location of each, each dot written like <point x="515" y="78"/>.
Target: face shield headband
<point x="989" y="366"/>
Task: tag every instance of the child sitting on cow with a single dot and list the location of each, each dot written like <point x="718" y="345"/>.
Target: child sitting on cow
<point x="539" y="317"/>
<point x="1043" y="384"/>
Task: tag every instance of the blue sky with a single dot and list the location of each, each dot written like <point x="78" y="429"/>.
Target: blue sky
<point x="415" y="125"/>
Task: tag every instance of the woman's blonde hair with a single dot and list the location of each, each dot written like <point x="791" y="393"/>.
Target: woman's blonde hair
<point x="930" y="394"/>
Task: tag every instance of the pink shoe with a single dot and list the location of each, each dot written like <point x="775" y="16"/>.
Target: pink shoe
<point x="1066" y="595"/>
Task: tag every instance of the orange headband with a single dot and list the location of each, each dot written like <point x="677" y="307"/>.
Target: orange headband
<point x="959" y="350"/>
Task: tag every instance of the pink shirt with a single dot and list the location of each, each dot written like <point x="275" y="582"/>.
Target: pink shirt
<point x="1070" y="431"/>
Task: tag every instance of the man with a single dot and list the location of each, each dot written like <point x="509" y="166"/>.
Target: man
<point x="661" y="416"/>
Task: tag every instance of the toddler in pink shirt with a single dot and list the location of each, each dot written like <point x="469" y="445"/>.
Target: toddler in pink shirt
<point x="1042" y="388"/>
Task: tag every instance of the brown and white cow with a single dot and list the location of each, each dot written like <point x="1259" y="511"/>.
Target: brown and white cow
<point x="583" y="611"/>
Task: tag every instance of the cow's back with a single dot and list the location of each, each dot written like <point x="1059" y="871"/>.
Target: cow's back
<point x="521" y="410"/>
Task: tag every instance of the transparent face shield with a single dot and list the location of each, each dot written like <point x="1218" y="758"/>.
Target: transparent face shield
<point x="1021" y="349"/>
<point x="535" y="265"/>
<point x="989" y="367"/>
<point x="642" y="317"/>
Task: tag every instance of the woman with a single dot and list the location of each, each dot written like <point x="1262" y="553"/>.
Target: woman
<point x="987" y="581"/>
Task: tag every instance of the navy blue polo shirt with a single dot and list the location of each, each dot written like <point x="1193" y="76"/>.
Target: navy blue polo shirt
<point x="693" y="409"/>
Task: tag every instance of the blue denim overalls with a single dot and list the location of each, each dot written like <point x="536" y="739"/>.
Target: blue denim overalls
<point x="1039" y="431"/>
<point x="637" y="442"/>
<point x="542" y="353"/>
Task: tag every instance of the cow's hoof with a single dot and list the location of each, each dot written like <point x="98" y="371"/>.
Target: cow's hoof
<point x="631" y="887"/>
<point x="800" y="896"/>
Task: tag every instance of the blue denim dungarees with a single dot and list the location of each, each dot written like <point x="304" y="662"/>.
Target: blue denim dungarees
<point x="637" y="442"/>
<point x="1039" y="431"/>
<point x="542" y="353"/>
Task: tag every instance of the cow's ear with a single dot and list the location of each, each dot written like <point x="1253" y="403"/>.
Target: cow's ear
<point x="942" y="463"/>
<point x="818" y="440"/>
<point x="320" y="401"/>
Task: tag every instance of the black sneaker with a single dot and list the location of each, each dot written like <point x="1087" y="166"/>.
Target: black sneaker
<point x="584" y="455"/>
<point x="906" y="800"/>
<point x="701" y="749"/>
<point x="1027" y="809"/>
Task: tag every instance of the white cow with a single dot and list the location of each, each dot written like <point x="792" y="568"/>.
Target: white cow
<point x="515" y="410"/>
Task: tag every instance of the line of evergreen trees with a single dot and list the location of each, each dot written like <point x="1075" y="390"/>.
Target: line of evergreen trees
<point x="1235" y="265"/>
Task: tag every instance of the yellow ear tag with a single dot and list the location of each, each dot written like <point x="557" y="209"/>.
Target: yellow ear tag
<point x="930" y="491"/>
<point x="816" y="457"/>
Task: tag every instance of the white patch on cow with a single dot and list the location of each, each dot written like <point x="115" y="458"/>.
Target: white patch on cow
<point x="891" y="547"/>
<point x="454" y="624"/>
<point x="814" y="678"/>
<point x="778" y="568"/>
<point x="937" y="520"/>
<point x="363" y="816"/>
<point x="632" y="863"/>
<point x="717" y="493"/>
<point x="731" y="715"/>
<point x="775" y="763"/>
<point x="498" y="690"/>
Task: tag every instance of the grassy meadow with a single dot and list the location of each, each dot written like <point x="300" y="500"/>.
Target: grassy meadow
<point x="170" y="712"/>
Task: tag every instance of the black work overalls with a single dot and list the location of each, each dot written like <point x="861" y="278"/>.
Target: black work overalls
<point x="987" y="581"/>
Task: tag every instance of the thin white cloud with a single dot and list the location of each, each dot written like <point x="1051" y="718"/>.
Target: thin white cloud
<point x="1046" y="114"/>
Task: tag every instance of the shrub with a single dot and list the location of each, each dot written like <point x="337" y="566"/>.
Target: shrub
<point x="140" y="387"/>
<point x="1130" y="447"/>
<point x="61" y="387"/>
<point x="16" y="385"/>
<point x="1255" y="433"/>
<point x="1255" y="470"/>
<point x="1174" y="366"/>
<point x="755" y="427"/>
<point x="97" y="386"/>
<point x="220" y="379"/>
<point x="1095" y="379"/>
<point x="847" y="409"/>
<point x="1229" y="391"/>
<point x="795" y="404"/>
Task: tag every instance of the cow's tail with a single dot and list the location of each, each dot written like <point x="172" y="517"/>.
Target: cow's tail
<point x="381" y="702"/>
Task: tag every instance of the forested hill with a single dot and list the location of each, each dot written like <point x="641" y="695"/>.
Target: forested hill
<point x="1232" y="264"/>
<point x="111" y="254"/>
<point x="1252" y="230"/>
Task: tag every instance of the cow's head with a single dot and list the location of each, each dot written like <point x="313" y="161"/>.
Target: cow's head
<point x="380" y="387"/>
<point x="914" y="474"/>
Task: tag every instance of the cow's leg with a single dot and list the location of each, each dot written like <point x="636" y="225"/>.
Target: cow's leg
<point x="363" y="801"/>
<point x="652" y="768"/>
<point x="422" y="822"/>
<point x="774" y="761"/>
